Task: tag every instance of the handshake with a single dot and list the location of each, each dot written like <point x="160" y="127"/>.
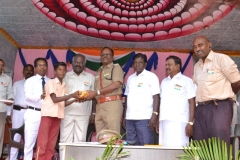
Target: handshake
<point x="82" y="96"/>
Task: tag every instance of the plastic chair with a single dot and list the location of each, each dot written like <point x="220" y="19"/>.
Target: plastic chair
<point x="92" y="137"/>
<point x="12" y="143"/>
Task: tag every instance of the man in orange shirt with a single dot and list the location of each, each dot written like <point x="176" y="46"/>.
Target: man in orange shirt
<point x="218" y="80"/>
<point x="52" y="112"/>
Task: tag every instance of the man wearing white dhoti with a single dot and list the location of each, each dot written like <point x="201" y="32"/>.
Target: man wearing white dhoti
<point x="177" y="106"/>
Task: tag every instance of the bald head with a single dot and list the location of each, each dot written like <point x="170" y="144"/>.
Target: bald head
<point x="203" y="38"/>
<point x="202" y="47"/>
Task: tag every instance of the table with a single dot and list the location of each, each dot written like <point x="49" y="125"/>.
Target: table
<point x="80" y="151"/>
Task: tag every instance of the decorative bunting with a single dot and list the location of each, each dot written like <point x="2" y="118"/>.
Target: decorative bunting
<point x="153" y="60"/>
<point x="69" y="56"/>
<point x="22" y="57"/>
<point x="52" y="56"/>
<point x="128" y="64"/>
<point x="187" y="61"/>
<point x="93" y="62"/>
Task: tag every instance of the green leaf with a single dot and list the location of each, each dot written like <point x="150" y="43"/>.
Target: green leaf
<point x="215" y="149"/>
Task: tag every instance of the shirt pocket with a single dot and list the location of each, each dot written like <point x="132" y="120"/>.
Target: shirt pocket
<point x="211" y="75"/>
<point x="3" y="90"/>
<point x="87" y="85"/>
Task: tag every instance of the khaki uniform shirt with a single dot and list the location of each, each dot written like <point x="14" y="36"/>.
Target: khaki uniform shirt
<point x="107" y="73"/>
<point x="6" y="91"/>
<point x="214" y="77"/>
<point x="49" y="108"/>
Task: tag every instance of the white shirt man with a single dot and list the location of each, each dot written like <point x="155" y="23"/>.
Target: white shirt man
<point x="140" y="90"/>
<point x="176" y="91"/>
<point x="19" y="106"/>
<point x="142" y="102"/>
<point x="74" y="126"/>
<point x="34" y="94"/>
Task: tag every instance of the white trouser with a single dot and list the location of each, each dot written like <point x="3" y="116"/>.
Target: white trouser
<point x="2" y="128"/>
<point x="73" y="129"/>
<point x="32" y="121"/>
<point x="17" y="121"/>
<point x="172" y="134"/>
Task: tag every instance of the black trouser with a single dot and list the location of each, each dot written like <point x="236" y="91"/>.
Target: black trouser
<point x="213" y="120"/>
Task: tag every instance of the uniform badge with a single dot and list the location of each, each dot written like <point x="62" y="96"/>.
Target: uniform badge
<point x="177" y="87"/>
<point x="4" y="84"/>
<point x="210" y="72"/>
<point x="106" y="74"/>
<point x="86" y="83"/>
<point x="140" y="84"/>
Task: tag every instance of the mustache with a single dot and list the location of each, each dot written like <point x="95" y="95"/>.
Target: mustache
<point x="199" y="51"/>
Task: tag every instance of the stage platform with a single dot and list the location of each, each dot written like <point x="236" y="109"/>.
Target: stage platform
<point x="80" y="151"/>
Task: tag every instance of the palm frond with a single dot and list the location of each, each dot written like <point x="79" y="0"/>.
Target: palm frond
<point x="214" y="149"/>
<point x="112" y="151"/>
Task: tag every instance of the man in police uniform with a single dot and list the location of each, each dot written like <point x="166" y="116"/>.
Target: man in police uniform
<point x="108" y="93"/>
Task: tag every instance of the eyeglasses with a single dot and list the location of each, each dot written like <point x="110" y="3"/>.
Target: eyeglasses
<point x="41" y="65"/>
<point x="106" y="55"/>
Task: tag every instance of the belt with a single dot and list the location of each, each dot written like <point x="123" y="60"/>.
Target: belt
<point x="110" y="98"/>
<point x="17" y="107"/>
<point x="33" y="108"/>
<point x="214" y="101"/>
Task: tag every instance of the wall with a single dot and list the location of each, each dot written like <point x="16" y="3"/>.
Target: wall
<point x="8" y="54"/>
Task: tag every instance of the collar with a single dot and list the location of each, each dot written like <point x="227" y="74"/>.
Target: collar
<point x="3" y="74"/>
<point x="56" y="80"/>
<point x="73" y="73"/>
<point x="142" y="73"/>
<point x="179" y="75"/>
<point x="108" y="66"/>
<point x="40" y="77"/>
<point x="209" y="57"/>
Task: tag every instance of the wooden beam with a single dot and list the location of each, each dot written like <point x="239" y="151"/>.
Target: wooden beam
<point x="9" y="38"/>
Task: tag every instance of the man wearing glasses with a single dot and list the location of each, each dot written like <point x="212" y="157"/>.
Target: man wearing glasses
<point x="34" y="93"/>
<point x="108" y="93"/>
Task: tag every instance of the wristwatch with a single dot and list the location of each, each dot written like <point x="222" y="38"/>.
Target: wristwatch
<point x="98" y="92"/>
<point x="191" y="123"/>
<point x="155" y="112"/>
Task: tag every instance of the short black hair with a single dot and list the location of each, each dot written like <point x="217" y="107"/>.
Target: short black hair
<point x="59" y="64"/>
<point x="40" y="59"/>
<point x="140" y="55"/>
<point x="28" y="65"/>
<point x="109" y="49"/>
<point x="2" y="61"/>
<point x="176" y="59"/>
